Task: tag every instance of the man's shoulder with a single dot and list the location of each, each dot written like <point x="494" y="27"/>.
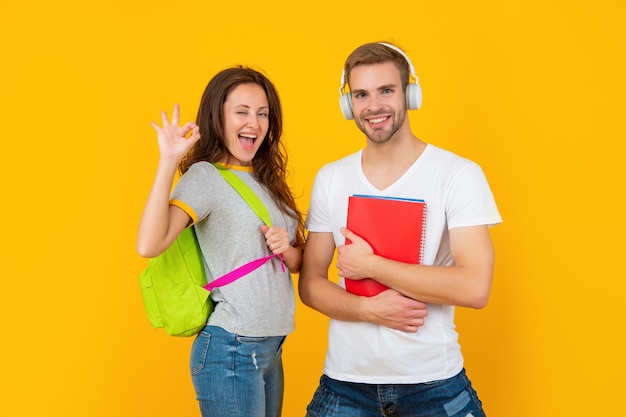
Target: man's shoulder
<point x="444" y="156"/>
<point x="443" y="153"/>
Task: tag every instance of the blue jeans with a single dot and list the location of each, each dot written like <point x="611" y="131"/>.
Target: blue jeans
<point x="453" y="397"/>
<point x="237" y="376"/>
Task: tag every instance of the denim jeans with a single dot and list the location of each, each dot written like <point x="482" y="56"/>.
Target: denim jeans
<point x="237" y="376"/>
<point x="453" y="397"/>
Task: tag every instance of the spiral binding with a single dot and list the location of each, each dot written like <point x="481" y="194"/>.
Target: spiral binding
<point x="423" y="236"/>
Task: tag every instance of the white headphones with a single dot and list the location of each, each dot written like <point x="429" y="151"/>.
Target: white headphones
<point x="413" y="91"/>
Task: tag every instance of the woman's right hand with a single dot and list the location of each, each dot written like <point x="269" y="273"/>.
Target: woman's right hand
<point x="174" y="142"/>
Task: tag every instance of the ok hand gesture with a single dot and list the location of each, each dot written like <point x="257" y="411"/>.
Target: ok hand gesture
<point x="174" y="142"/>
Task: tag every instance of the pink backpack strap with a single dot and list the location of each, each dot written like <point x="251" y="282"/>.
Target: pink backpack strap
<point x="241" y="271"/>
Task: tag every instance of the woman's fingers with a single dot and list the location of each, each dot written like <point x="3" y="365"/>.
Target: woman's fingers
<point x="189" y="132"/>
<point x="186" y="128"/>
<point x="176" y="115"/>
<point x="164" y="118"/>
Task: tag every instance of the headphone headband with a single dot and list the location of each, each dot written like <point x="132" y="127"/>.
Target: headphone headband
<point x="401" y="52"/>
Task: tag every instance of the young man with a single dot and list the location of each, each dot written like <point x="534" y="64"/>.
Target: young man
<point x="396" y="353"/>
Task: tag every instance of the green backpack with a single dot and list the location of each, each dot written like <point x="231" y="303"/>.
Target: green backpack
<point x="172" y="284"/>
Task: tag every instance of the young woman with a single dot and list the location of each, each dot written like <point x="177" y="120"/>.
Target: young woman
<point x="235" y="363"/>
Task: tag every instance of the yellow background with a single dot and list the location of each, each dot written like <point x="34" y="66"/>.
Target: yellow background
<point x="531" y="90"/>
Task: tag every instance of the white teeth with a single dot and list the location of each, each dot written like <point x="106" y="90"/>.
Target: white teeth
<point x="247" y="135"/>
<point x="377" y="120"/>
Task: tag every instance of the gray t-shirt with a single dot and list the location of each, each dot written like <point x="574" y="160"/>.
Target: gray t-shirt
<point x="261" y="303"/>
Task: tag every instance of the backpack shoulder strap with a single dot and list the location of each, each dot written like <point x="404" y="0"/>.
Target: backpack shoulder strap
<point x="246" y="193"/>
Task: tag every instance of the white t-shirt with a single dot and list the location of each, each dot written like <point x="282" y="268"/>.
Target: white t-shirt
<point x="457" y="194"/>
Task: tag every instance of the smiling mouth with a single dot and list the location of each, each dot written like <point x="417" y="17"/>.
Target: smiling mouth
<point x="247" y="140"/>
<point x="377" y="120"/>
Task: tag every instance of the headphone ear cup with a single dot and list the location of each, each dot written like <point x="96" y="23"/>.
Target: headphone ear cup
<point x="345" y="101"/>
<point x="413" y="96"/>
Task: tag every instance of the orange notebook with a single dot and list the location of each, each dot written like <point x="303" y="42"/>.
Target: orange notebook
<point x="394" y="228"/>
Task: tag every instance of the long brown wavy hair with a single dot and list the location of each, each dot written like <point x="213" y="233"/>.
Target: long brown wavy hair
<point x="270" y="162"/>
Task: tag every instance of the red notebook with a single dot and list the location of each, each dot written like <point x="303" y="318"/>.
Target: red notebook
<point x="394" y="228"/>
